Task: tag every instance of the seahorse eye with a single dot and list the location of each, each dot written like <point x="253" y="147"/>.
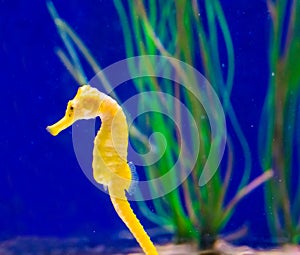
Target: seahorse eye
<point x="70" y="110"/>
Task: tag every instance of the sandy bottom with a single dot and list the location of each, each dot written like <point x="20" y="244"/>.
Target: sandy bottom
<point x="222" y="248"/>
<point x="80" y="246"/>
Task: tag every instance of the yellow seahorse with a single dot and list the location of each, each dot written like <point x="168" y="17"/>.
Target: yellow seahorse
<point x="110" y="166"/>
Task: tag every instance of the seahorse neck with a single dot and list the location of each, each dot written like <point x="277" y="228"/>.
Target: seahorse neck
<point x="113" y="127"/>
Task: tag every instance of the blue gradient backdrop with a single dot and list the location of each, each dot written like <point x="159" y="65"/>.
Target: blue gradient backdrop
<point x="43" y="192"/>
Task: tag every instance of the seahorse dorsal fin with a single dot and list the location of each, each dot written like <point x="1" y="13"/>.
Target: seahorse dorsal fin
<point x="134" y="178"/>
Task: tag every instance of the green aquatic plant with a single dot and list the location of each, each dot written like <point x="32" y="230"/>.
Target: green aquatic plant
<point x="279" y="138"/>
<point x="190" y="212"/>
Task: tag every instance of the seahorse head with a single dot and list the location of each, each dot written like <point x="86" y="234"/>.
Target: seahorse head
<point x="85" y="105"/>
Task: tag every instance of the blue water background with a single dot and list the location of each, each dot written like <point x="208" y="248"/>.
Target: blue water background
<point x="43" y="191"/>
